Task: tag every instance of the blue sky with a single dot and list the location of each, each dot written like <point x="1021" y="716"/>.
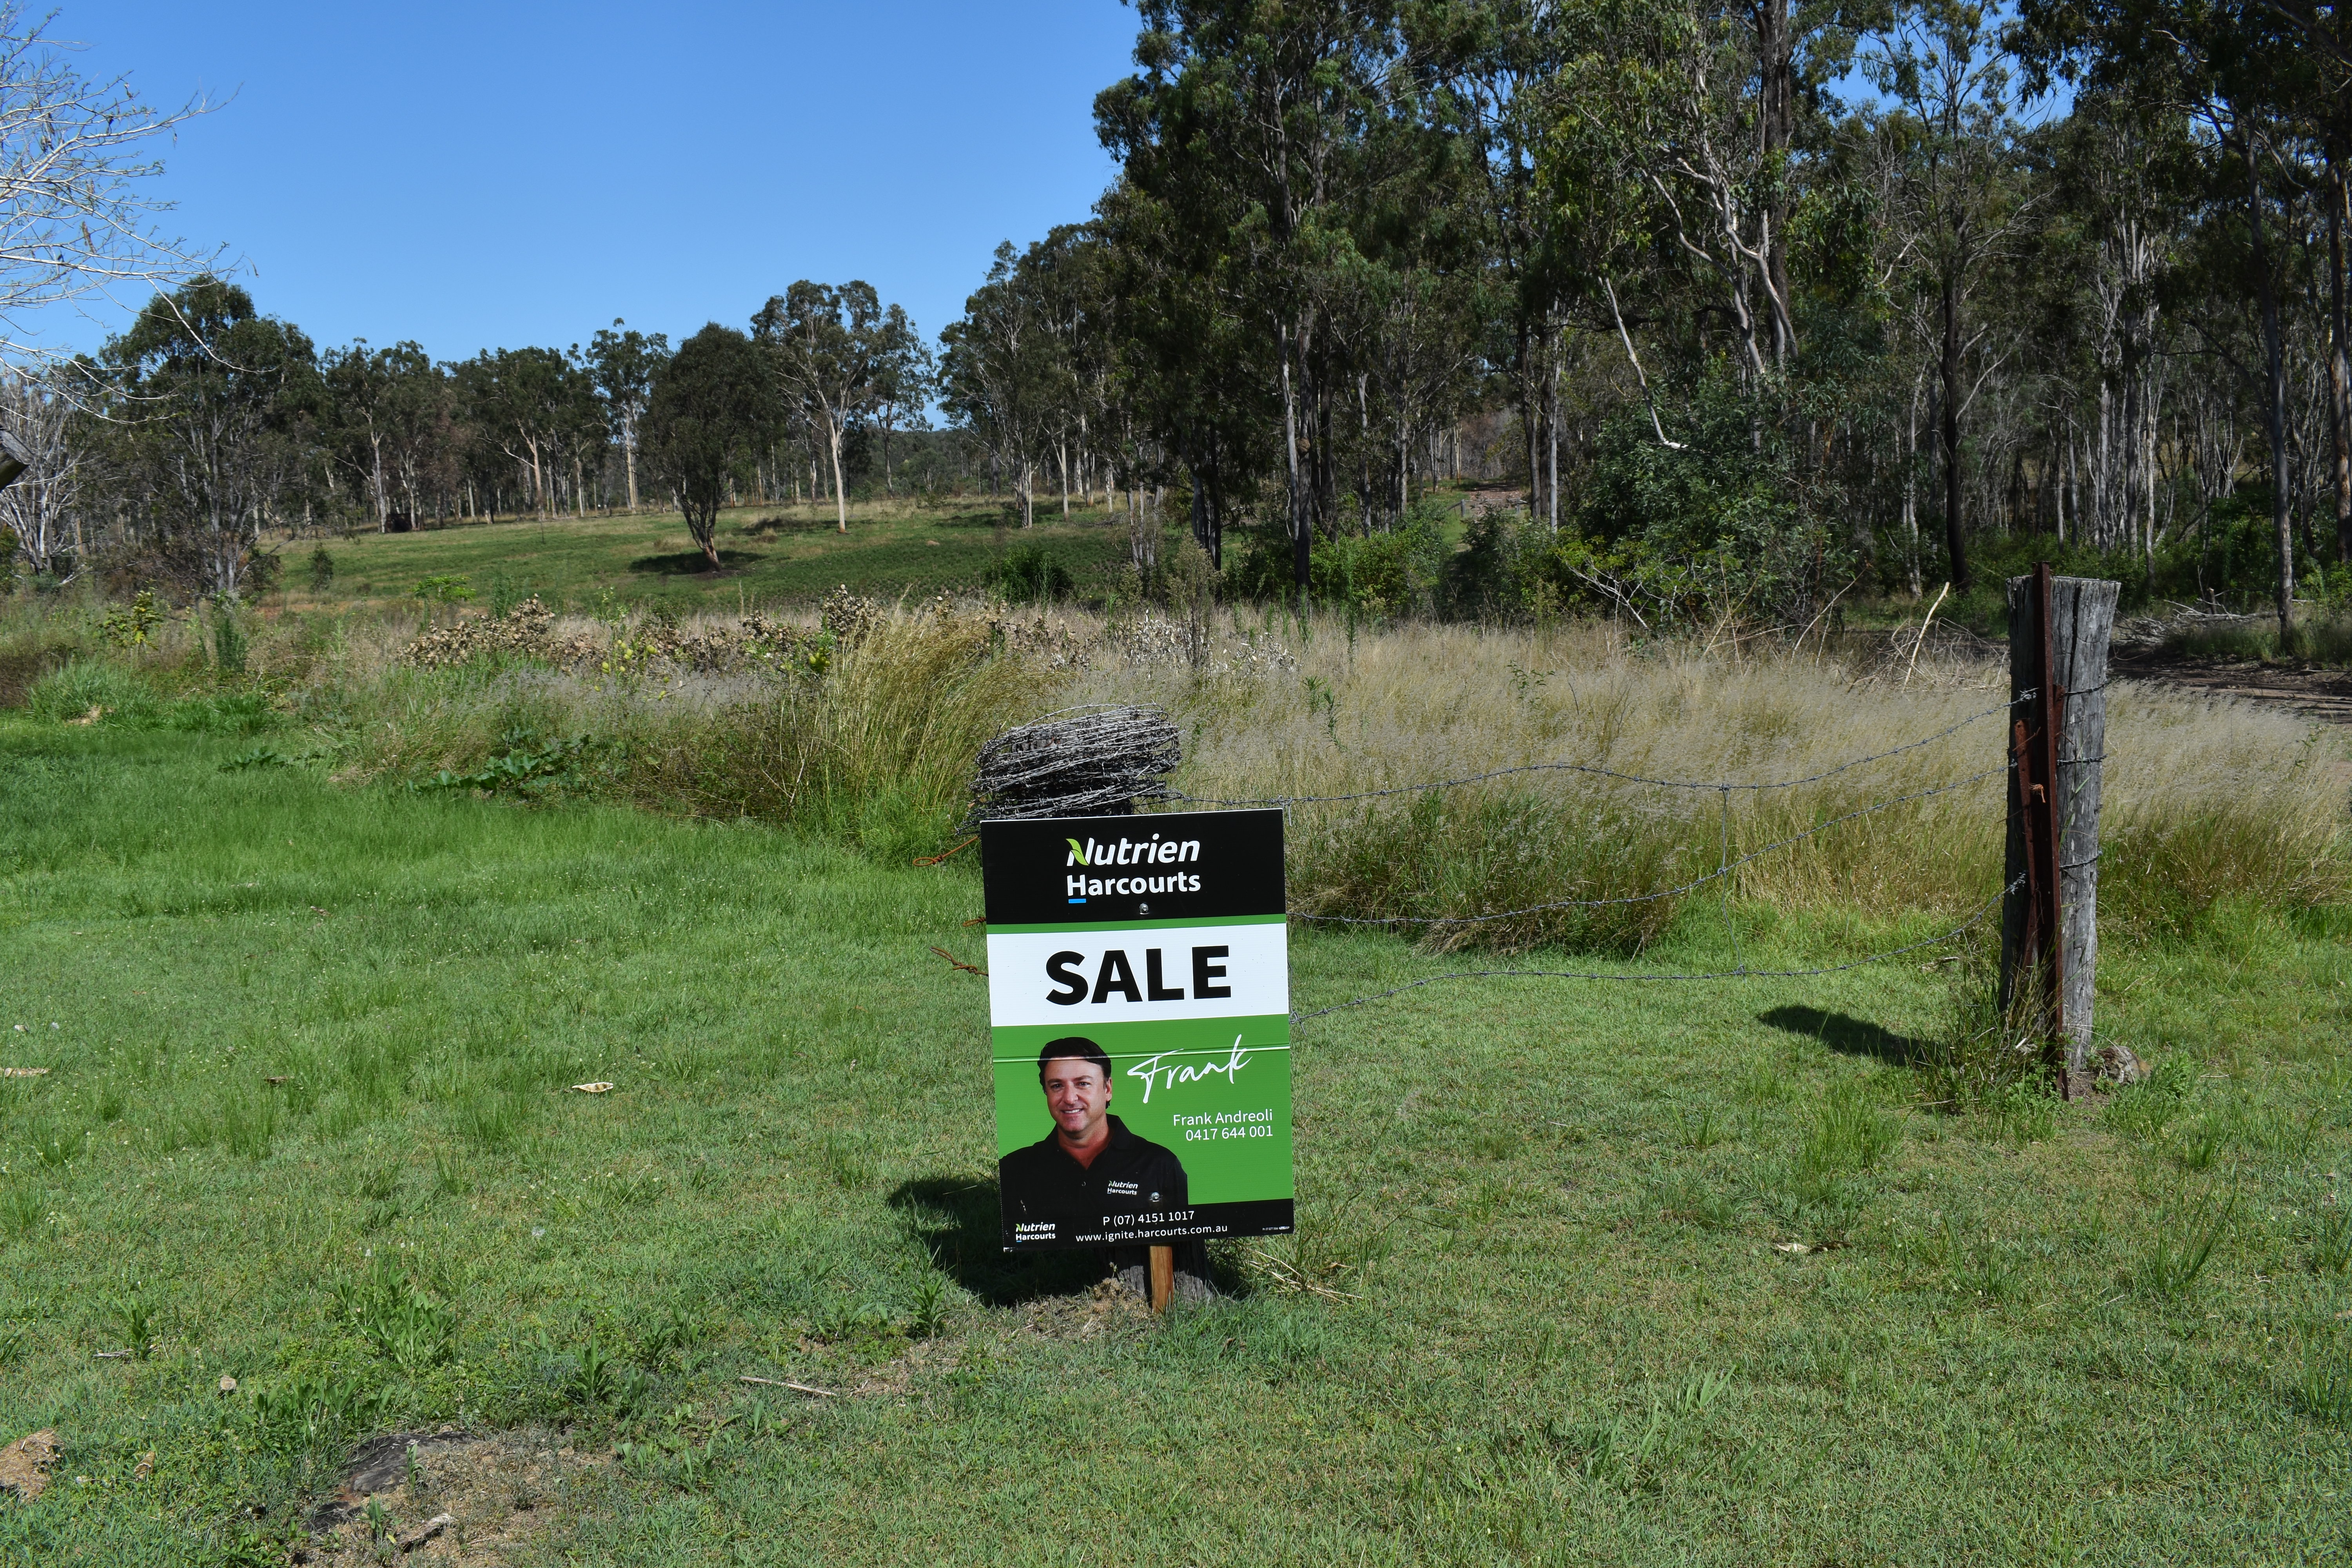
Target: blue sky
<point x="473" y="175"/>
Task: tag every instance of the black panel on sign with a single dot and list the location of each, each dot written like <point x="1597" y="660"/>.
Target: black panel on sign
<point x="1177" y="865"/>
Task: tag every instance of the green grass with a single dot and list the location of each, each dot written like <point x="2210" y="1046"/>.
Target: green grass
<point x="650" y="559"/>
<point x="2324" y="640"/>
<point x="1564" y="1329"/>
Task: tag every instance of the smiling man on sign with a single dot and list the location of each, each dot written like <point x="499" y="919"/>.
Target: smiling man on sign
<point x="1090" y="1171"/>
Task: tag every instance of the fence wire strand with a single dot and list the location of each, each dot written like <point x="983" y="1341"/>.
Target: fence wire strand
<point x="1595" y="771"/>
<point x="1725" y="862"/>
<point x="1975" y="918"/>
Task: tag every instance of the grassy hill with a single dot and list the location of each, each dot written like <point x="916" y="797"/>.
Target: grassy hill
<point x="770" y="555"/>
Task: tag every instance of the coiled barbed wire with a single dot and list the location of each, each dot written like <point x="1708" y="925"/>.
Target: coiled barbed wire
<point x="1095" y="760"/>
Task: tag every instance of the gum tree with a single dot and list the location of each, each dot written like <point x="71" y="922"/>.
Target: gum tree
<point x="713" y="410"/>
<point x="824" y="344"/>
<point x="624" y="364"/>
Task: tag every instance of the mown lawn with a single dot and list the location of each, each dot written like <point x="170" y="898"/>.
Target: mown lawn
<point x="769" y="555"/>
<point x="308" y="1125"/>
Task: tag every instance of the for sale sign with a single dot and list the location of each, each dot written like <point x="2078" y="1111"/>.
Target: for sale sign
<point x="1138" y="990"/>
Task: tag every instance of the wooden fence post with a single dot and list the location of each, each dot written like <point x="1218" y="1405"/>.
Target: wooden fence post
<point x="2058" y="633"/>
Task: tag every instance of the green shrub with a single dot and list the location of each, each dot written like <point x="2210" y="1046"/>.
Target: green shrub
<point x="229" y="644"/>
<point x="448" y="589"/>
<point x="221" y="713"/>
<point x="1029" y="573"/>
<point x="1729" y="522"/>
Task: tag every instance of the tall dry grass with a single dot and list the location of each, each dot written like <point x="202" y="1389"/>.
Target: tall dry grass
<point x="2205" y="798"/>
<point x="876" y="748"/>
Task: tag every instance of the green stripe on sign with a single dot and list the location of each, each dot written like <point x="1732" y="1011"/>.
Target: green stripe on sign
<point x="1137" y="925"/>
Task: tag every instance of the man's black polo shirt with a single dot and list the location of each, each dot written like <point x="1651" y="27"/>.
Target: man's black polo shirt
<point x="1043" y="1186"/>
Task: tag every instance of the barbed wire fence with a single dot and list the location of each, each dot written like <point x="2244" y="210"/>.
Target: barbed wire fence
<point x="1082" y="758"/>
<point x="1721" y="875"/>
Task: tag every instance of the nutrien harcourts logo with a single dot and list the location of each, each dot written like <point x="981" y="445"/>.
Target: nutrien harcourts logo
<point x="1152" y="851"/>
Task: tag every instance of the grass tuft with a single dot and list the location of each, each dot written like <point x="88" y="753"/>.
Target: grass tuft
<point x="1847" y="1134"/>
<point x="2179" y="1248"/>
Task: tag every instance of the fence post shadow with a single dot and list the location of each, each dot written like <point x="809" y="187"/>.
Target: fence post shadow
<point x="1848" y="1035"/>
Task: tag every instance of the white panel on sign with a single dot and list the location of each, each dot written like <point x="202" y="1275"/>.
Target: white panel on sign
<point x="1108" y="973"/>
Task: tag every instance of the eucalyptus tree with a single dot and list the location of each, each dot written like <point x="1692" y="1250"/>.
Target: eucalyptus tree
<point x="529" y="404"/>
<point x="385" y="420"/>
<point x="75" y="218"/>
<point x="1065" y="274"/>
<point x="210" y="405"/>
<point x="906" y="380"/>
<point x="712" y="412"/>
<point x="1249" y="126"/>
<point x="2244" y="70"/>
<point x="1957" y="197"/>
<point x="1495" y="67"/>
<point x="1002" y="373"/>
<point x="624" y="365"/>
<point x="824" y="345"/>
<point x="40" y="510"/>
<point x="1195" y="385"/>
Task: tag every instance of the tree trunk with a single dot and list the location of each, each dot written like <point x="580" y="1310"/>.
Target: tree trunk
<point x="840" y="496"/>
<point x="629" y="459"/>
<point x="1551" y="445"/>
<point x="1301" y="546"/>
<point x="1955" y="542"/>
<point x="1532" y="421"/>
<point x="2274" y="399"/>
<point x="1775" y="56"/>
<point x="2339" y="361"/>
<point x="1911" y="487"/>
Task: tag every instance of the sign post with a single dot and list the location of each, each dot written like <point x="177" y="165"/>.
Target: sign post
<point x="1139" y="1026"/>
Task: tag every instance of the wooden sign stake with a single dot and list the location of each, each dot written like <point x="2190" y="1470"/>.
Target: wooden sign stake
<point x="1164" y="1278"/>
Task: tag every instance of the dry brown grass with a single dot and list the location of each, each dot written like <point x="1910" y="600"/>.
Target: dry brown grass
<point x="2206" y="798"/>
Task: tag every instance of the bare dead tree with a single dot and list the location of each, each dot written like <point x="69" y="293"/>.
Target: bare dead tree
<point x="38" y="510"/>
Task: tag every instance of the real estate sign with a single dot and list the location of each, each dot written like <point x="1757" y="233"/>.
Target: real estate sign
<point x="1138" y="990"/>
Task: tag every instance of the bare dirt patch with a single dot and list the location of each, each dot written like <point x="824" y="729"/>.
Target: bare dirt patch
<point x="2316" y="693"/>
<point x="466" y="1496"/>
<point x="1110" y="1307"/>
